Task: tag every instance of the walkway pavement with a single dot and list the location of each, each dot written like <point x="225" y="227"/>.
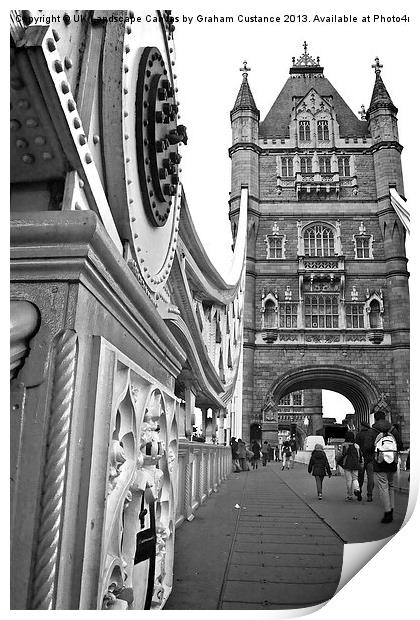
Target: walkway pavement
<point x="264" y="541"/>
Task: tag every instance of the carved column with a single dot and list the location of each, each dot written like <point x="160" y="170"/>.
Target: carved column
<point x="51" y="515"/>
<point x="189" y="409"/>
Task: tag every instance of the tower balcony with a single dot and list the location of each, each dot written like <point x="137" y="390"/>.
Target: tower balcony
<point x="309" y="185"/>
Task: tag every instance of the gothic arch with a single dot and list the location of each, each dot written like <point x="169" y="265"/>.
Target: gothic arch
<point x="359" y="389"/>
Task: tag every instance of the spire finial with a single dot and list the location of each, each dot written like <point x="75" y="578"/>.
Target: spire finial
<point x="305" y="46"/>
<point x="377" y="66"/>
<point x="245" y="70"/>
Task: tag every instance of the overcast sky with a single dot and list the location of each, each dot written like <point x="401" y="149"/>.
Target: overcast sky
<point x="209" y="56"/>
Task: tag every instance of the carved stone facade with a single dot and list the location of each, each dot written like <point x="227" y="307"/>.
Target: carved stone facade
<point x="335" y="296"/>
<point x="121" y="326"/>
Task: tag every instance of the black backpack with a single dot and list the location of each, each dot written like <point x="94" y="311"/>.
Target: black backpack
<point x="351" y="457"/>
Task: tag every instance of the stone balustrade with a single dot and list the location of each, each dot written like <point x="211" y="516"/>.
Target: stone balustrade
<point x="202" y="467"/>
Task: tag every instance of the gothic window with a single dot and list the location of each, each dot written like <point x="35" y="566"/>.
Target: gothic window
<point x="306" y="164"/>
<point x="323" y="131"/>
<point x="275" y="246"/>
<point x="318" y="241"/>
<point x="294" y="399"/>
<point x="325" y="164"/>
<point x="287" y="315"/>
<point x="304" y="131"/>
<point x="321" y="311"/>
<point x="363" y="243"/>
<point x="297" y="398"/>
<point x="355" y="315"/>
<point x="287" y="166"/>
<point x="286" y="401"/>
<point x="344" y="166"/>
<point x="270" y="319"/>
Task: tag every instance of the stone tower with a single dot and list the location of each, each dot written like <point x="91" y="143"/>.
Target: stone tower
<point x="326" y="301"/>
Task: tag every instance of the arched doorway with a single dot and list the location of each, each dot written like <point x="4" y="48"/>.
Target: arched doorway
<point x="361" y="391"/>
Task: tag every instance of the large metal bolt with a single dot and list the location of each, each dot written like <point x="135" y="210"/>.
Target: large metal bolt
<point x="169" y="189"/>
<point x="175" y="157"/>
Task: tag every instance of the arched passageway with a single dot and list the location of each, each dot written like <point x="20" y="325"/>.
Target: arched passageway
<point x="354" y="385"/>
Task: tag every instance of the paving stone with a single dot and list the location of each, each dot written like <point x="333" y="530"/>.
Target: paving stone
<point x="286" y="574"/>
<point x="277" y="559"/>
<point x="279" y="593"/>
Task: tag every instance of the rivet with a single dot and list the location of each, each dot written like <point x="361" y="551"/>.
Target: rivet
<point x="128" y="29"/>
<point x="145" y="142"/>
<point x="130" y="200"/>
<point x="27" y="158"/>
<point x="14" y="124"/>
<point x="175" y="76"/>
<point x="21" y="144"/>
<point x="81" y="184"/>
<point x="127" y="49"/>
<point x="88" y="158"/>
<point x="58" y="66"/>
<point x="23" y="104"/>
<point x="127" y="160"/>
<point x="170" y="50"/>
<point x="68" y="62"/>
<point x="31" y="122"/>
<point x="51" y="45"/>
<point x="136" y="236"/>
<point x="65" y="88"/>
<point x="144" y="104"/>
<point x="125" y="91"/>
<point x="129" y="181"/>
<point x="95" y="138"/>
<point x="26" y="17"/>
<point x="125" y="113"/>
<point x="125" y="69"/>
<point x="82" y="139"/>
<point x="16" y="83"/>
<point x="148" y="73"/>
<point x="76" y="123"/>
<point x="172" y="62"/>
<point x="77" y="206"/>
<point x="66" y="19"/>
<point x="46" y="155"/>
<point x="151" y="193"/>
<point x="133" y="219"/>
<point x="126" y="136"/>
<point x="71" y="106"/>
<point x="55" y="35"/>
<point x="39" y="140"/>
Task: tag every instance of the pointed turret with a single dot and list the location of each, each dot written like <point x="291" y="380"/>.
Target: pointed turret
<point x="245" y="100"/>
<point x="380" y="95"/>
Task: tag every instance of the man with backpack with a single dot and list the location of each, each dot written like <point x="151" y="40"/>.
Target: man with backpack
<point x="350" y="460"/>
<point x="387" y="445"/>
<point x="366" y="438"/>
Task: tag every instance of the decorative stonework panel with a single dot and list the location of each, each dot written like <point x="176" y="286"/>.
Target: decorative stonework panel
<point x="141" y="485"/>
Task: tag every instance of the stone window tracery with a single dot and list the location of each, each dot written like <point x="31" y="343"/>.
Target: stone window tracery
<point x="355" y="315"/>
<point x="321" y="311"/>
<point x="325" y="165"/>
<point x="363" y="244"/>
<point x="269" y="310"/>
<point x="323" y="130"/>
<point x="275" y="244"/>
<point x="306" y="165"/>
<point x="304" y="131"/>
<point x="344" y="166"/>
<point x="287" y="166"/>
<point x="288" y="312"/>
<point x="318" y="240"/>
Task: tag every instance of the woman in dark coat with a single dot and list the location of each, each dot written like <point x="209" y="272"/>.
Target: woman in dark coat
<point x="319" y="467"/>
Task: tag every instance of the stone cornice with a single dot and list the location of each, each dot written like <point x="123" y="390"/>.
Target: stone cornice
<point x="73" y="246"/>
<point x="245" y="146"/>
<point x="385" y="144"/>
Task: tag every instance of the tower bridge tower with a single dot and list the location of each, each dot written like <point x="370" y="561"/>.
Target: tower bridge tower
<point x="326" y="300"/>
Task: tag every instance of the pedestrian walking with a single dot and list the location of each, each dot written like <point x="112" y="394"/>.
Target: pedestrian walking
<point x="242" y="455"/>
<point x="388" y="444"/>
<point x="277" y="454"/>
<point x="256" y="450"/>
<point x="265" y="453"/>
<point x="319" y="467"/>
<point x="286" y="453"/>
<point x="365" y="439"/>
<point x="235" y="458"/>
<point x="350" y="460"/>
<point x="293" y="448"/>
